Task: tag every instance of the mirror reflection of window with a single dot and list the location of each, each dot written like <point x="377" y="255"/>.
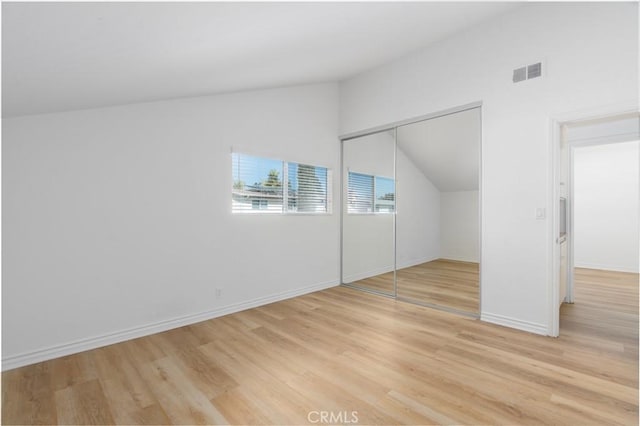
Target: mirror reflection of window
<point x="368" y="215"/>
<point x="360" y="193"/>
<point x="424" y="245"/>
<point x="370" y="194"/>
<point x="385" y="195"/>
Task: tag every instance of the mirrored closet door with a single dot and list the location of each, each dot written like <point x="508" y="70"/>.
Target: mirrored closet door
<point x="411" y="216"/>
<point x="368" y="206"/>
<point x="438" y="219"/>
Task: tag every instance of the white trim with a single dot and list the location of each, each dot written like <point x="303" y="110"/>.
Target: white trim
<point x="569" y="288"/>
<point x="607" y="267"/>
<point x="416" y="261"/>
<point x="553" y="230"/>
<point x="461" y="259"/>
<point x="395" y="124"/>
<point x="605" y="140"/>
<point x="395" y="211"/>
<point x="505" y="321"/>
<point x="481" y="215"/>
<point x="56" y="351"/>
<point x="367" y="274"/>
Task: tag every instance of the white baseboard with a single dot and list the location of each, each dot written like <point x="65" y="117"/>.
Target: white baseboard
<point x="32" y="357"/>
<point x="366" y="274"/>
<point x="414" y="262"/>
<point x="505" y="321"/>
<point x="606" y="267"/>
<point x="460" y="259"/>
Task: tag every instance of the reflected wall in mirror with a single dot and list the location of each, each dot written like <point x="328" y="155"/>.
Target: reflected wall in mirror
<point x="437" y="223"/>
<point x="368" y="212"/>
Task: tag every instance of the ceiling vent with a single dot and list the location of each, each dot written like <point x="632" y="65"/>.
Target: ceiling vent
<point x="527" y="72"/>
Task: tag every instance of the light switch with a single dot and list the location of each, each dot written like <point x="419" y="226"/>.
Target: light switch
<point x="540" y="213"/>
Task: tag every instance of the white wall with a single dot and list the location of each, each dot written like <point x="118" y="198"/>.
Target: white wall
<point x="606" y="212"/>
<point x="460" y="221"/>
<point x="590" y="54"/>
<point x="418" y="215"/>
<point x="117" y="221"/>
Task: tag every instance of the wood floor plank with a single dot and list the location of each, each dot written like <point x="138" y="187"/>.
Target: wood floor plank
<point x="116" y="364"/>
<point x="151" y="415"/>
<point x="449" y="284"/>
<point x="203" y="372"/>
<point x="238" y="409"/>
<point x="83" y="404"/>
<point x="181" y="399"/>
<point x="345" y="352"/>
<point x="118" y="395"/>
<point x="28" y="397"/>
<point x="433" y="415"/>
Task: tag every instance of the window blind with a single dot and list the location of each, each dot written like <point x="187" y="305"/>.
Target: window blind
<point x="307" y="188"/>
<point x="370" y="194"/>
<point x="360" y="193"/>
<point x="258" y="186"/>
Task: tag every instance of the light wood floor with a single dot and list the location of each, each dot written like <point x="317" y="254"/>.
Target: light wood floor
<point x="342" y="350"/>
<point x="447" y="283"/>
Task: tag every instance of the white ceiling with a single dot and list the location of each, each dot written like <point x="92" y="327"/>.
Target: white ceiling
<point x="445" y="149"/>
<point x="73" y="55"/>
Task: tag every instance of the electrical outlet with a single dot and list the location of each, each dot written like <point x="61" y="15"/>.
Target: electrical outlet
<point x="218" y="292"/>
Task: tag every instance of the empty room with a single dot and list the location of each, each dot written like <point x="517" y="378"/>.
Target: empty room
<point x="307" y="213"/>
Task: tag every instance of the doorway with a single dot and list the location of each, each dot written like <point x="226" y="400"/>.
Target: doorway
<point x="596" y="220"/>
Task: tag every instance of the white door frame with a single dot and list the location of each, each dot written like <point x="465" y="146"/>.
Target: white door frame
<point x="553" y="228"/>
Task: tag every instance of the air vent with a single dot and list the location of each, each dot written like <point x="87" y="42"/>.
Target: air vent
<point x="534" y="70"/>
<point x="527" y="72"/>
<point x="519" y="74"/>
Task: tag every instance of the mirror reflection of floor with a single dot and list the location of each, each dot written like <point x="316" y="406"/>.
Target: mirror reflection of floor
<point x="448" y="283"/>
<point x="381" y="283"/>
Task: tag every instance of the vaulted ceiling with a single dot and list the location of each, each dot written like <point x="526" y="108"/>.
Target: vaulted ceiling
<point x="60" y="56"/>
<point x="445" y="149"/>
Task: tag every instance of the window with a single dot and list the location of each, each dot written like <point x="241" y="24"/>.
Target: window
<point x="307" y="188"/>
<point x="385" y="201"/>
<point x="360" y="193"/>
<point x="258" y="186"/>
<point x="370" y="194"/>
<point x="257" y="204"/>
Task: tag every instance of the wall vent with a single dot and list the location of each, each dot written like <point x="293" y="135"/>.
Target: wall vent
<point x="519" y="74"/>
<point x="534" y="70"/>
<point x="527" y="72"/>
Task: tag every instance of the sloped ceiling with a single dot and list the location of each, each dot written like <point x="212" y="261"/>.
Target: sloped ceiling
<point x="59" y="56"/>
<point x="446" y="149"/>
